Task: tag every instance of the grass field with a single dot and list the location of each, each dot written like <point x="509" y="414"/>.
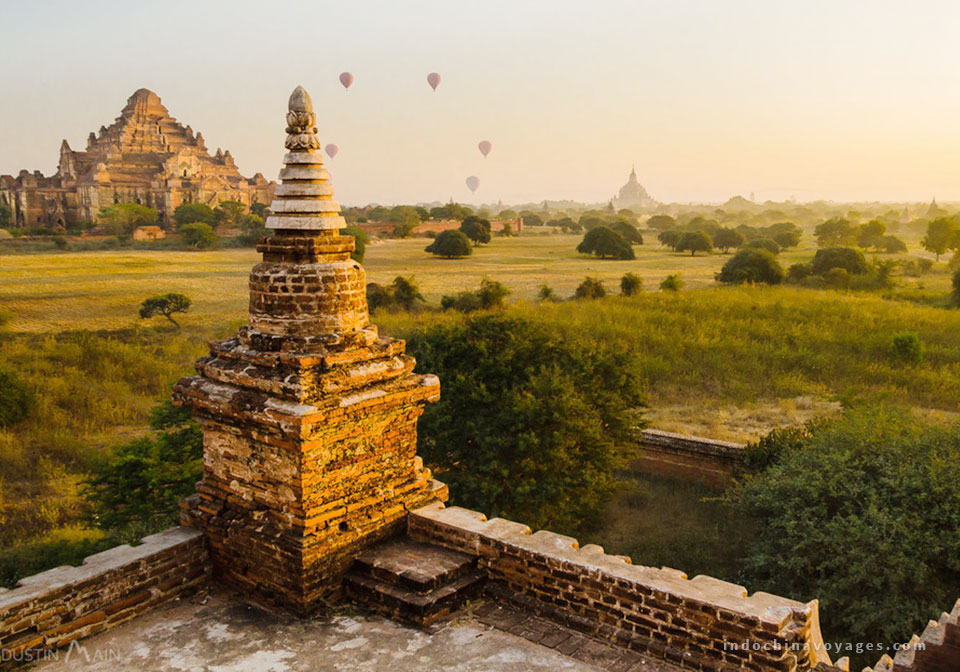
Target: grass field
<point x="725" y="362"/>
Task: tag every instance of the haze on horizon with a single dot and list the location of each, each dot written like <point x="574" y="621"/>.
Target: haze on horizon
<point x="852" y="100"/>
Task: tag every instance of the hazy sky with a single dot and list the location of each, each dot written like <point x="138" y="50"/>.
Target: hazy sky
<point x="841" y="99"/>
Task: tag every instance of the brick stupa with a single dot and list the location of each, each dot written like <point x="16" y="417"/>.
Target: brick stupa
<point x="309" y="418"/>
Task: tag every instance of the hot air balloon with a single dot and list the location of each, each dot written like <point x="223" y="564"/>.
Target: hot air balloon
<point x="485" y="147"/>
<point x="473" y="182"/>
<point x="346" y="78"/>
<point x="433" y="79"/>
<point x="331" y="150"/>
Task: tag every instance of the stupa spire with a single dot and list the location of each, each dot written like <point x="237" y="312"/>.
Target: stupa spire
<point x="303" y="201"/>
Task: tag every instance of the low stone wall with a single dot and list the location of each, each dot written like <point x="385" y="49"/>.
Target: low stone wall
<point x="687" y="457"/>
<point x="701" y="623"/>
<point x="49" y="610"/>
<point x="936" y="650"/>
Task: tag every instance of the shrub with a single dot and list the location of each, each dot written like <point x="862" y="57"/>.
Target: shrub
<point x="661" y="223"/>
<point x="787" y="239"/>
<point x="956" y="288"/>
<point x="797" y="273"/>
<point x="490" y="295"/>
<point x="838" y="277"/>
<point x="631" y="284"/>
<point x="546" y="293"/>
<point x="590" y="288"/>
<point x="603" y="242"/>
<point x="402" y="294"/>
<point x="360" y="240"/>
<point x="450" y="244"/>
<point x="752" y="265"/>
<point x="141" y="484"/>
<point x="907" y="347"/>
<point x="16" y="399"/>
<point x="764" y="244"/>
<point x="878" y="479"/>
<point x="893" y="245"/>
<point x="530" y="423"/>
<point x="672" y="283"/>
<point x="847" y="258"/>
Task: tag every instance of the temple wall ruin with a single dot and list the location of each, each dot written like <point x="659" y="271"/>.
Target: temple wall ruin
<point x="47" y="611"/>
<point x="701" y="623"/>
<point x="690" y="458"/>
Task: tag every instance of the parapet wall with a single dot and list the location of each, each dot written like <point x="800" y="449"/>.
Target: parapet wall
<point x="936" y="650"/>
<point x="687" y="457"/>
<point x="49" y="610"/>
<point x="701" y="623"/>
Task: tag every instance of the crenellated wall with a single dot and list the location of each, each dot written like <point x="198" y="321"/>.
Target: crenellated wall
<point x="49" y="610"/>
<point x="701" y="623"/>
<point x="937" y="649"/>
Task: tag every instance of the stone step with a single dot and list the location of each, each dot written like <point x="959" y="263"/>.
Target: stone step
<point x="413" y="566"/>
<point x="413" y="582"/>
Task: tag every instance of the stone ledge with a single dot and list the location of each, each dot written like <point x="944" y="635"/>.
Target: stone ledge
<point x="715" y="447"/>
<point x="116" y="558"/>
<point x="558" y="548"/>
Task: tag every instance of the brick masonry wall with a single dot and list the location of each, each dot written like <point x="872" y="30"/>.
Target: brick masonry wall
<point x="700" y="623"/>
<point x="937" y="649"/>
<point x="49" y="610"/>
<point x="687" y="457"/>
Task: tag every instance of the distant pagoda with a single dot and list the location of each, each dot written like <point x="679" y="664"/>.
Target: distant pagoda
<point x="633" y="195"/>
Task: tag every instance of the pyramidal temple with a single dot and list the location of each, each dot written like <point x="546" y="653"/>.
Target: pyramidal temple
<point x="633" y="194"/>
<point x="145" y="156"/>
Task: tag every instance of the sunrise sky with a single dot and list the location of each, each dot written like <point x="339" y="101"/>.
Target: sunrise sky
<point x="842" y="100"/>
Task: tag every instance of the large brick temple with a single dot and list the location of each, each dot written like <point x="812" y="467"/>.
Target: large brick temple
<point x="145" y="157"/>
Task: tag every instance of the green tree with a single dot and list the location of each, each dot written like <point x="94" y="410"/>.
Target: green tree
<point x="531" y="219"/>
<point x="942" y="234"/>
<point x="787" y="239"/>
<point x="6" y="216"/>
<point x="198" y="235"/>
<point x="590" y="288"/>
<point x="893" y="245"/>
<point x="507" y="214"/>
<point x="531" y="423"/>
<point x="877" y="478"/>
<point x="670" y="237"/>
<point x="956" y="288"/>
<point x="767" y="244"/>
<point x="450" y="244"/>
<point x="628" y="231"/>
<point x="725" y="238"/>
<point x="835" y="232"/>
<point x="695" y="241"/>
<point x="260" y="210"/>
<point x="253" y="229"/>
<point x="360" y="240"/>
<point x="476" y="229"/>
<point x="166" y="305"/>
<point x="229" y="213"/>
<point x="661" y="223"/>
<point x="603" y="242"/>
<point x="490" y="296"/>
<point x="751" y="265"/>
<point x="871" y="234"/>
<point x="16" y="399"/>
<point x="852" y="261"/>
<point x="123" y="218"/>
<point x="139" y="486"/>
<point x="188" y="213"/>
<point x="631" y="284"/>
